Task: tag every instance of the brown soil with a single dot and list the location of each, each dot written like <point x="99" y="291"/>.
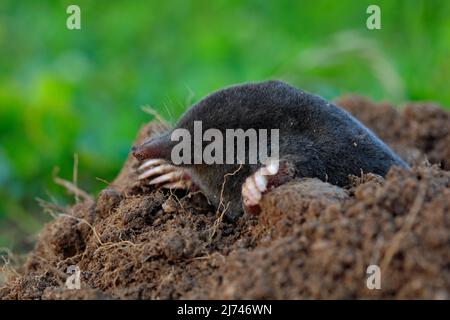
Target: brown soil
<point x="311" y="240"/>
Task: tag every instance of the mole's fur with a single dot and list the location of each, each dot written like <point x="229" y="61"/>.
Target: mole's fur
<point x="316" y="138"/>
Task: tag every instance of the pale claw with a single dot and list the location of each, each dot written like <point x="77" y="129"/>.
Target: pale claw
<point x="252" y="192"/>
<point x="270" y="168"/>
<point x="168" y="177"/>
<point x="158" y="170"/>
<point x="182" y="184"/>
<point x="256" y="185"/>
<point x="164" y="173"/>
<point x="151" y="163"/>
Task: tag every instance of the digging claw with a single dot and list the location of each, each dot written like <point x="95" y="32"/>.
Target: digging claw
<point x="151" y="163"/>
<point x="157" y="171"/>
<point x="182" y="184"/>
<point x="164" y="174"/>
<point x="260" y="182"/>
<point x="168" y="177"/>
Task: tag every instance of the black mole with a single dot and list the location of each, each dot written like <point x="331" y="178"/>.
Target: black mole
<point x="316" y="139"/>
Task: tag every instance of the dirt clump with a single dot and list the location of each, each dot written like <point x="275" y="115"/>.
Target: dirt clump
<point x="416" y="131"/>
<point x="311" y="240"/>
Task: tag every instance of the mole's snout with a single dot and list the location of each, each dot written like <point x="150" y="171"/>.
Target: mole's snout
<point x="138" y="153"/>
<point x="156" y="148"/>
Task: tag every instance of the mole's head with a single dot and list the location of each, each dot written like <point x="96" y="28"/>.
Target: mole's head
<point x="249" y="106"/>
<point x="155" y="148"/>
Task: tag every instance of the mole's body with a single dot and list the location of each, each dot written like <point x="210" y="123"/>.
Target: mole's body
<point x="316" y="139"/>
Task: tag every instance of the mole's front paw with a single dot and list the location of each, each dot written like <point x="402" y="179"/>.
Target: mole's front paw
<point x="162" y="173"/>
<point x="273" y="174"/>
<point x="256" y="185"/>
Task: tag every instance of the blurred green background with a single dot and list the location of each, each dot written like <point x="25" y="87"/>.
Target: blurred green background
<point x="80" y="91"/>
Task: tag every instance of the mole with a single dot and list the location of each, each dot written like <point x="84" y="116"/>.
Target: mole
<point x="316" y="139"/>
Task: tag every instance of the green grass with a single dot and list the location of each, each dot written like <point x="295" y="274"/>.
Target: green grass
<point x="64" y="92"/>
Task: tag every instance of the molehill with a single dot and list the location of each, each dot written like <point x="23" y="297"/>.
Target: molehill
<point x="311" y="240"/>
